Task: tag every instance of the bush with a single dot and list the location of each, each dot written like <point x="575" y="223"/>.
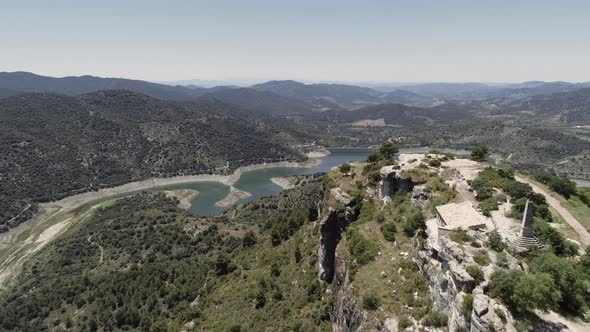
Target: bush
<point x="495" y="241"/>
<point x="481" y="258"/>
<point x="414" y="221"/>
<point x="371" y="301"/>
<point x="479" y="153"/>
<point x="562" y="186"/>
<point x="467" y="306"/>
<point x="345" y="168"/>
<point x="249" y="239"/>
<point x="500" y="313"/>
<point x="566" y="278"/>
<point x="435" y="319"/>
<point x="374" y="158"/>
<point x="502" y="260"/>
<point x="388" y="149"/>
<point x="525" y="291"/>
<point x="361" y="249"/>
<point x="434" y="163"/>
<point x="556" y="241"/>
<point x="460" y="236"/>
<point x="484" y="193"/>
<point x="404" y="322"/>
<point x="476" y="273"/>
<point x="389" y="230"/>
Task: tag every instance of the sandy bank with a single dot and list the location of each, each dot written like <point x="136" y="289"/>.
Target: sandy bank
<point x="47" y="210"/>
<point x="318" y="153"/>
<point x="232" y="197"/>
<point x="284" y="183"/>
<point x="184" y="196"/>
<point x="76" y="200"/>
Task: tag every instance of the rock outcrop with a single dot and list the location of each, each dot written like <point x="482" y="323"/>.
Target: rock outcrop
<point x="391" y="182"/>
<point x="346" y="315"/>
<point x="442" y="262"/>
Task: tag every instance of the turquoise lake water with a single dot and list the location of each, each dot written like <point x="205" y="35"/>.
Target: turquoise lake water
<point x="257" y="182"/>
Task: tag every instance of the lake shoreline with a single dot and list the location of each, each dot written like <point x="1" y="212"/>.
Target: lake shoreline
<point x="49" y="209"/>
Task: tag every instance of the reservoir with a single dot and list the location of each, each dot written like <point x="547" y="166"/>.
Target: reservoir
<point x="258" y="182"/>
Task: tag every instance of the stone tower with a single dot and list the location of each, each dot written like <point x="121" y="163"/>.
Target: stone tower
<point x="525" y="239"/>
<point x="527" y="220"/>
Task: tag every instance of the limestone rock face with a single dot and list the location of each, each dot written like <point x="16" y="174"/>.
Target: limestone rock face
<point x="484" y="317"/>
<point x="442" y="262"/>
<point x="391" y="182"/>
<point x="340" y="196"/>
<point x="420" y="195"/>
<point x="330" y="235"/>
<point x="390" y="325"/>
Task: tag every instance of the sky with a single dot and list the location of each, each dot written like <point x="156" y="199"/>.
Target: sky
<point x="346" y="41"/>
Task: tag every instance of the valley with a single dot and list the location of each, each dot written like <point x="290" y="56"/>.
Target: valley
<point x="287" y="206"/>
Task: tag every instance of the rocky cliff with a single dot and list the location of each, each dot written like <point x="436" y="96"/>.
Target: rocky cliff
<point x="444" y="263"/>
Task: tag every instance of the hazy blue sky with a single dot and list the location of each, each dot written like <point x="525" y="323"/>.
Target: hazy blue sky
<point x="394" y="41"/>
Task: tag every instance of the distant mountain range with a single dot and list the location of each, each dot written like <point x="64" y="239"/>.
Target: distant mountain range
<point x="15" y="82"/>
<point x="552" y="103"/>
<point x="288" y="97"/>
<point x="470" y="91"/>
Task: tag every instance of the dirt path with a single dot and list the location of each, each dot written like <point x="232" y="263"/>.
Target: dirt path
<point x="565" y="214"/>
<point x="99" y="247"/>
<point x="559" y="323"/>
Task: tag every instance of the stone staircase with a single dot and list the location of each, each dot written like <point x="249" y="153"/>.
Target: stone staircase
<point x="519" y="243"/>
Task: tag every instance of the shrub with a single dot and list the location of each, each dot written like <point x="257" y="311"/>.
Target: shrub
<point x="502" y="260"/>
<point x="259" y="298"/>
<point x="371" y="301"/>
<point x="414" y="221"/>
<point x="481" y="259"/>
<point x="488" y="205"/>
<point x="495" y="241"/>
<point x="435" y="319"/>
<point x="525" y="291"/>
<point x="556" y="241"/>
<point x="345" y="168"/>
<point x="389" y="230"/>
<point x="362" y="249"/>
<point x="500" y="313"/>
<point x="249" y="239"/>
<point x="476" y="273"/>
<point x="374" y="158"/>
<point x="460" y="236"/>
<point x="479" y="153"/>
<point x="388" y="149"/>
<point x="566" y="278"/>
<point x="484" y="193"/>
<point x="467" y="306"/>
<point x="434" y="163"/>
<point x="562" y="186"/>
<point x="275" y="270"/>
<point x="404" y="322"/>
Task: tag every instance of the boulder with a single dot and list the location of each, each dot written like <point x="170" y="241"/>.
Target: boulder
<point x="390" y="325"/>
<point x="340" y="196"/>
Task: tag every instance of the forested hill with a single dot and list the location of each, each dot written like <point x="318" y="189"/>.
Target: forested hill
<point x="52" y="146"/>
<point x="12" y="83"/>
<point x="143" y="264"/>
<point x="392" y="114"/>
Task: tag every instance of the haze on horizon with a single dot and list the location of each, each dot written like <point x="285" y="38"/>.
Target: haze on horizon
<point x="348" y="41"/>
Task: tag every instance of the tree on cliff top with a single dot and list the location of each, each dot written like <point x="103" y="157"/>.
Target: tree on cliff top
<point x="388" y="149"/>
<point x="479" y="153"/>
<point x="374" y="157"/>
